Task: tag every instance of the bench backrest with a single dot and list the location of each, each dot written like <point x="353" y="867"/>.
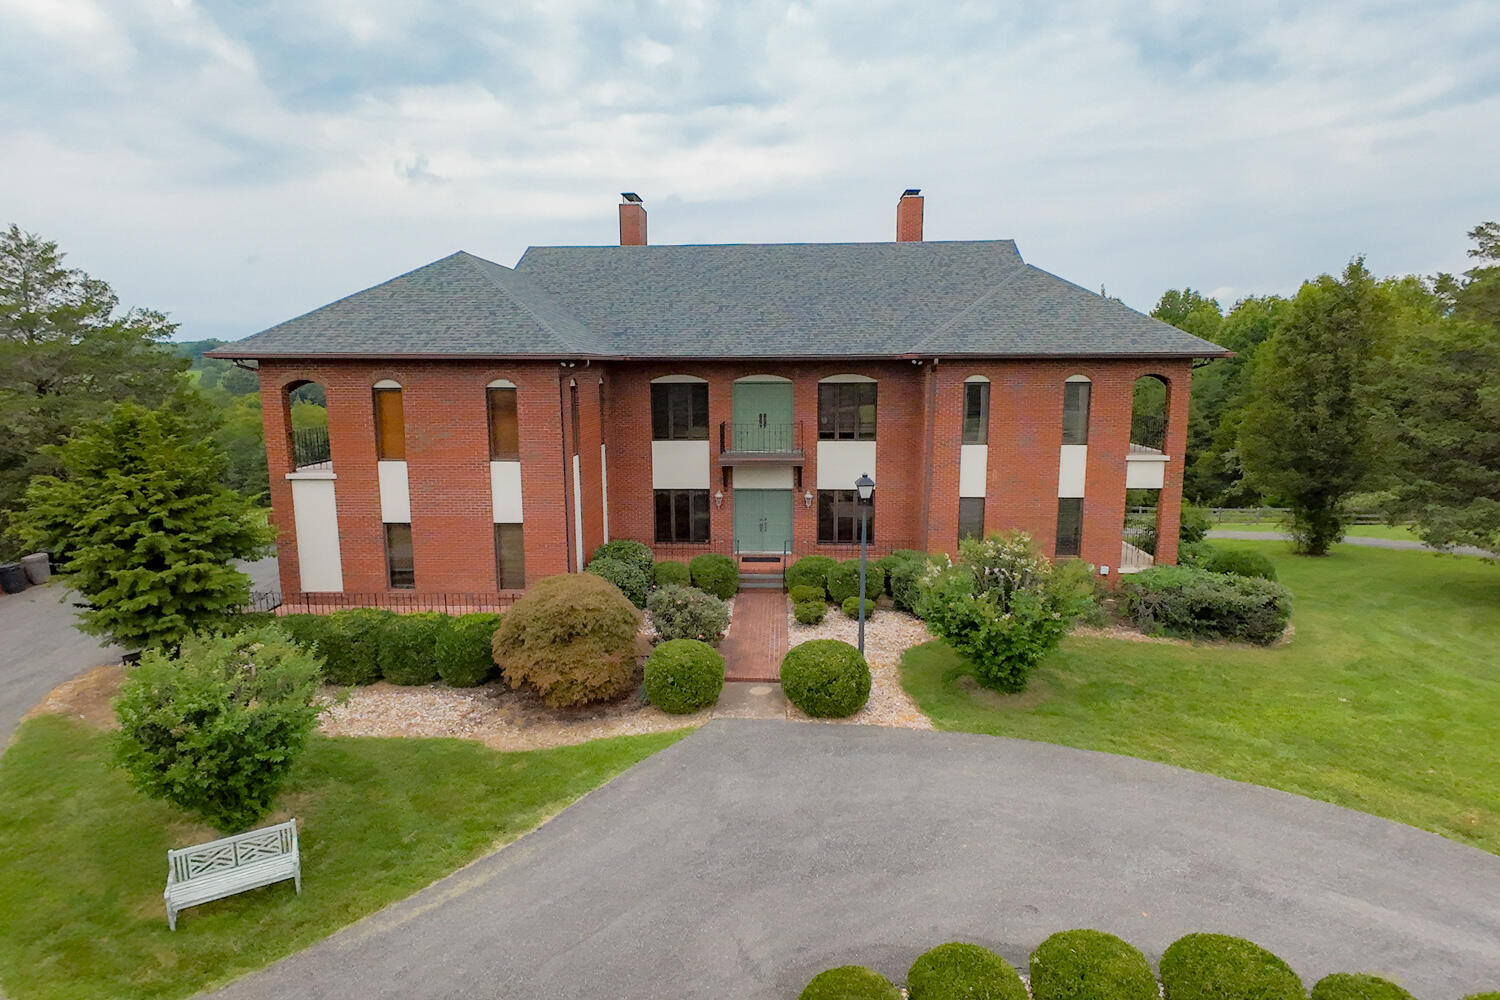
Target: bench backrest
<point x="188" y="863"/>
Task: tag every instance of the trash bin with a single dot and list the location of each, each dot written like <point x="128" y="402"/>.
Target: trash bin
<point x="38" y="567"/>
<point x="12" y="578"/>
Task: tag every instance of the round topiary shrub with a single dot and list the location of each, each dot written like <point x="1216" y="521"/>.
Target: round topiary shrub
<point x="636" y="554"/>
<point x="684" y="675"/>
<point x="810" y="571"/>
<point x="715" y="574"/>
<point x="826" y="678"/>
<point x="408" y="647"/>
<point x="1357" y="986"/>
<point x="633" y="583"/>
<point x="843" y="581"/>
<point x="1241" y="562"/>
<point x="958" y="971"/>
<point x="669" y="573"/>
<point x="807" y="592"/>
<point x="463" y="649"/>
<point x="850" y="982"/>
<point x="351" y="646"/>
<point x="687" y="613"/>
<point x="571" y="639"/>
<point x="1090" y="965"/>
<point x="809" y="612"/>
<point x="850" y="607"/>
<point x="307" y="631"/>
<point x="1220" y="967"/>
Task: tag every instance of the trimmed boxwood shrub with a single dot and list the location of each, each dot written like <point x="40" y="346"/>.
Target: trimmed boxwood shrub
<point x="715" y="574"/>
<point x="571" y="639"/>
<point x="1357" y="986"/>
<point x="1240" y="562"/>
<point x="850" y="607"/>
<point x="807" y="592"/>
<point x="906" y="580"/>
<point x="667" y="572"/>
<point x="632" y="581"/>
<point x="809" y="612"/>
<point x="826" y="678"/>
<point x="351" y="646"/>
<point x="1198" y="554"/>
<point x="1193" y="603"/>
<point x="408" y="647"/>
<point x="888" y="564"/>
<point x="1090" y="965"/>
<point x="850" y="982"/>
<point x="636" y="554"/>
<point x="1220" y="967"/>
<point x="958" y="971"/>
<point x="684" y="675"/>
<point x="463" y="649"/>
<point x="810" y="571"/>
<point x="687" y="613"/>
<point x="843" y="581"/>
<point x="306" y="630"/>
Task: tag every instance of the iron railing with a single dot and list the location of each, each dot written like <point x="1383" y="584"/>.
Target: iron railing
<point x="1149" y="430"/>
<point x="760" y="438"/>
<point x="310" y="448"/>
<point x="447" y="603"/>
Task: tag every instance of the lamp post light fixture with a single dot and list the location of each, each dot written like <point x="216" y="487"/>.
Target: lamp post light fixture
<point x="719" y="499"/>
<point x="864" y="488"/>
<point x="807" y="499"/>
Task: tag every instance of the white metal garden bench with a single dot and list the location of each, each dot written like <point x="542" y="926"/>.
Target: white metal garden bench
<point x="205" y="872"/>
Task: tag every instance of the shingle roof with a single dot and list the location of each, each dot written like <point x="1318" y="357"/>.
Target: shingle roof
<point x="736" y="300"/>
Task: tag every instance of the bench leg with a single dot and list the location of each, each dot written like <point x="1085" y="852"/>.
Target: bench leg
<point x="297" y="880"/>
<point x="171" y="918"/>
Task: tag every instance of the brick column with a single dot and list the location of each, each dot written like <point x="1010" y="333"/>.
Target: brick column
<point x="1026" y="405"/>
<point x="720" y="411"/>
<point x="943" y="455"/>
<point x="805" y="412"/>
<point x="544" y="470"/>
<point x="276" y="419"/>
<point x="1169" y="501"/>
<point x="448" y="471"/>
<point x="351" y="439"/>
<point x="591" y="433"/>
<point x="1110" y="402"/>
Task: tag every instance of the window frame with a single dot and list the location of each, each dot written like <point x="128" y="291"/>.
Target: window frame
<point x="391" y="570"/>
<point x="695" y="518"/>
<point x="1059" y="550"/>
<point x="503" y="570"/>
<point x="832" y="507"/>
<point x="497" y="453"/>
<point x="979" y="432"/>
<point x="840" y="411"/>
<point x="667" y="414"/>
<point x="1075" y="425"/>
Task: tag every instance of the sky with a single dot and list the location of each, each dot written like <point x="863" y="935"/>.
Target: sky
<point x="238" y="163"/>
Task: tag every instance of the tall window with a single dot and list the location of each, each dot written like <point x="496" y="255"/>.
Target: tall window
<point x="846" y="411"/>
<point x="838" y="516"/>
<point x="1075" y="413"/>
<point x="400" y="567"/>
<point x="679" y="411"/>
<point x="976" y="413"/>
<point x="510" y="557"/>
<point x="505" y="436"/>
<point x="971" y="517"/>
<point x="1069" y="526"/>
<point x="390" y="425"/>
<point x="681" y="515"/>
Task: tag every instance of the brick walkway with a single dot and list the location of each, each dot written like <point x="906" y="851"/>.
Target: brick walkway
<point x="756" y="641"/>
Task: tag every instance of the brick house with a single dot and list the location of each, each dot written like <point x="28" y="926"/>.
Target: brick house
<point x="489" y="426"/>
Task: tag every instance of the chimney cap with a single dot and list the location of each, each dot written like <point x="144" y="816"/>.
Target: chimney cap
<point x="911" y="192"/>
<point x="631" y="197"/>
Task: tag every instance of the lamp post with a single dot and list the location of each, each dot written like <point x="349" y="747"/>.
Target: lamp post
<point x="864" y="488"/>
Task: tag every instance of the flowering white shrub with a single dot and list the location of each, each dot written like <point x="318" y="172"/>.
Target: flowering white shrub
<point x="687" y="613"/>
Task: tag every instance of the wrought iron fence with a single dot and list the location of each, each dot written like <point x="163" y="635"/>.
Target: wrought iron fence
<point x="1149" y="430"/>
<point x="760" y="439"/>
<point x="447" y="603"/>
<point x="310" y="447"/>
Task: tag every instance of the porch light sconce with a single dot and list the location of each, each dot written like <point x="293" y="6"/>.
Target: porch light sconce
<point x="719" y="499"/>
<point x="807" y="499"/>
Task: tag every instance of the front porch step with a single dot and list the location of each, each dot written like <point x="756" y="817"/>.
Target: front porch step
<point x="761" y="581"/>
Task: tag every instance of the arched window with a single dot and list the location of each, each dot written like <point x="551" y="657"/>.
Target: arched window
<point x="390" y="422"/>
<point x="976" y="410"/>
<point x="846" y="408"/>
<point x="1076" y="410"/>
<point x="505" y="432"/>
<point x="1148" y="414"/>
<point x="306" y="407"/>
<point x="679" y="408"/>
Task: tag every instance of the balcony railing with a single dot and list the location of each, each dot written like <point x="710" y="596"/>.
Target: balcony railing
<point x="752" y="440"/>
<point x="310" y="449"/>
<point x="1149" y="430"/>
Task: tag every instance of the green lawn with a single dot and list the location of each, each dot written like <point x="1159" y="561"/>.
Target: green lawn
<point x="1396" y="531"/>
<point x="1386" y="700"/>
<point x="83" y="857"/>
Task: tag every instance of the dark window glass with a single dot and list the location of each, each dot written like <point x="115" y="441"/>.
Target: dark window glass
<point x="679" y="411"/>
<point x="1070" y="526"/>
<point x="505" y="437"/>
<point x="971" y="517"/>
<point x="510" y="557"/>
<point x="1075" y="413"/>
<point x="573" y="408"/>
<point x="976" y="413"/>
<point x="390" y="426"/>
<point x="838" y="516"/>
<point x="846" y="411"/>
<point x="681" y="515"/>
<point x="400" y="567"/>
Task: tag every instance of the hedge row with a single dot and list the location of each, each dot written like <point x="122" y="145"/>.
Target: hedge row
<point x="632" y="568"/>
<point x="1093" y="965"/>
<point x="1193" y="603"/>
<point x="364" y="645"/>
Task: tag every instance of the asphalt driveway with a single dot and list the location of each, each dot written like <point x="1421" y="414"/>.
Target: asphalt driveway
<point x="753" y="854"/>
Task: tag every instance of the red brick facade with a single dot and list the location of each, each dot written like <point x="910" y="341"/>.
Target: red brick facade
<point x="918" y="434"/>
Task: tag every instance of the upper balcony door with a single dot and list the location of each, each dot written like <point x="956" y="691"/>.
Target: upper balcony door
<point x="762" y="419"/>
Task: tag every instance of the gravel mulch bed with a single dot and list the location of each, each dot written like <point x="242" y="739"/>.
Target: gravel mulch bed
<point x="888" y="634"/>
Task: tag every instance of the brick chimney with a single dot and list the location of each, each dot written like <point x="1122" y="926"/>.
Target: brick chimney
<point x="908" y="217"/>
<point x="633" y="220"/>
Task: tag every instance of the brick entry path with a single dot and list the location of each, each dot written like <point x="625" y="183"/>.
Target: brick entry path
<point x="756" y="640"/>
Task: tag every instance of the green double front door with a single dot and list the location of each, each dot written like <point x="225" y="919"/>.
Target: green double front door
<point x="762" y="419"/>
<point x="763" y="520"/>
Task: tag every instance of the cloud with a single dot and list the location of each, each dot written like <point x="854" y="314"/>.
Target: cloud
<point x="240" y="163"/>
